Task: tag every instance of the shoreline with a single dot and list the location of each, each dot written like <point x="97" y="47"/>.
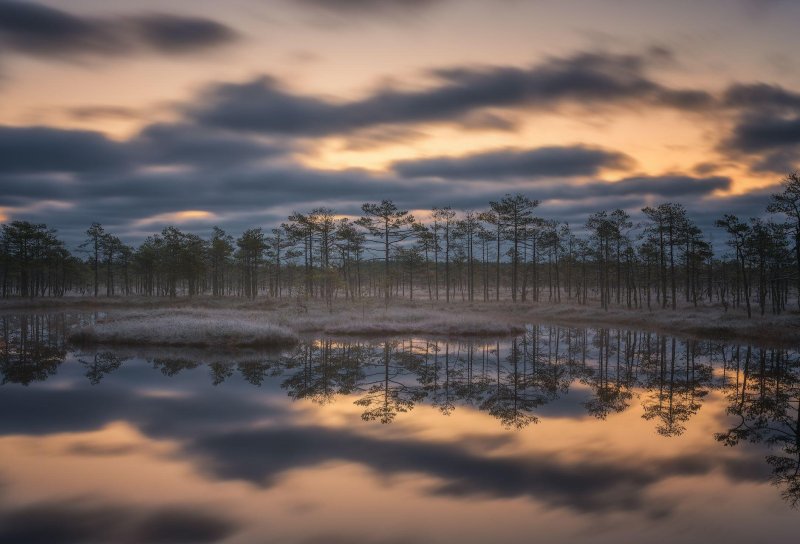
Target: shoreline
<point x="430" y="318"/>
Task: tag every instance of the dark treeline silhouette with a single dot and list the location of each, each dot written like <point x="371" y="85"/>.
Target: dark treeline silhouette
<point x="512" y="380"/>
<point x="505" y="252"/>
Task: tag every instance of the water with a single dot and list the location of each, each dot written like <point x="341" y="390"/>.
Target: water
<point x="559" y="435"/>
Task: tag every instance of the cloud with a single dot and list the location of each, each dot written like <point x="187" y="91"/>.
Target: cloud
<point x="760" y="133"/>
<point x="259" y="456"/>
<point x="178" y="218"/>
<point x="780" y="161"/>
<point x="239" y="198"/>
<point x="702" y="208"/>
<point x="140" y="185"/>
<point x="43" y="31"/>
<point x="759" y="96"/>
<point x="178" y="34"/>
<point x="368" y="6"/>
<point x="181" y="524"/>
<point x="338" y="12"/>
<point x="486" y="120"/>
<point x="46" y="149"/>
<point x="766" y="126"/>
<point x="40" y="149"/>
<point x="668" y="186"/>
<point x="177" y="143"/>
<point x="264" y="105"/>
<point x="769" y="142"/>
<point x="517" y="164"/>
<point x="83" y="409"/>
<point x="78" y="520"/>
<point x="591" y="486"/>
<point x="373" y="138"/>
<point x="232" y="154"/>
<point x="91" y="113"/>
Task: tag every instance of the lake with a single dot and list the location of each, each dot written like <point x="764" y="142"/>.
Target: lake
<point x="558" y="435"/>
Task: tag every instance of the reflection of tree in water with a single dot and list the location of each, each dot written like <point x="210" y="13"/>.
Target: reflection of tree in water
<point x="535" y="372"/>
<point x="764" y="398"/>
<point x="519" y="389"/>
<point x="254" y="371"/>
<point x="32" y="347"/>
<point x="387" y="394"/>
<point x="508" y="379"/>
<point x="220" y="371"/>
<point x="675" y="387"/>
<point x="504" y="399"/>
<point x="612" y="384"/>
<point x="474" y="381"/>
<point x="172" y="366"/>
<point x="542" y="351"/>
<point x="439" y="375"/>
<point x="99" y="364"/>
<point x="324" y="369"/>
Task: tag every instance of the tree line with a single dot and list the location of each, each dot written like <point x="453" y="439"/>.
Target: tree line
<point x="505" y="252"/>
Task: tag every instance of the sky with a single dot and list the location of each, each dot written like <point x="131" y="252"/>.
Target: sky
<point x="198" y="113"/>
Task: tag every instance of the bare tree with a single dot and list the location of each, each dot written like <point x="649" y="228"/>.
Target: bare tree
<point x="390" y="226"/>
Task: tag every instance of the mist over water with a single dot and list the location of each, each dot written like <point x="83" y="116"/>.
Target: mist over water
<point x="585" y="435"/>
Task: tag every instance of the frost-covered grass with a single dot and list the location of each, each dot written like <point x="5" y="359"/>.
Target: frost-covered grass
<point x="709" y="322"/>
<point x="207" y="321"/>
<point x="184" y="330"/>
<point x="419" y="322"/>
<point x="280" y="325"/>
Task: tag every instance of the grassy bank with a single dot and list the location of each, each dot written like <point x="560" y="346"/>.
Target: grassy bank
<point x="176" y="329"/>
<point x="246" y="326"/>
<point x="208" y="321"/>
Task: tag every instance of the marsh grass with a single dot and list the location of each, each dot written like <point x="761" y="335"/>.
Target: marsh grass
<point x="178" y="329"/>
<point x="246" y="327"/>
<point x="205" y="321"/>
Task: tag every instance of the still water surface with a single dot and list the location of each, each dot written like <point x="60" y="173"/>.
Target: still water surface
<point x="558" y="435"/>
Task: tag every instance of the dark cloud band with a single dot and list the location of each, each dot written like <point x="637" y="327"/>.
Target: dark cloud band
<point x="35" y="29"/>
<point x="517" y="164"/>
<point x="589" y="79"/>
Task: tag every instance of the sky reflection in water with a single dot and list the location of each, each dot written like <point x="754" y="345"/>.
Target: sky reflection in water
<point x="559" y="435"/>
